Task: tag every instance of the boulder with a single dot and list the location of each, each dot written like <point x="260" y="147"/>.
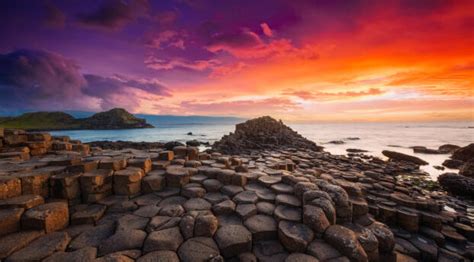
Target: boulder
<point x="345" y="241"/>
<point x="294" y="236"/>
<point x="404" y="157"/>
<point x="457" y="184"/>
<point x="233" y="240"/>
<point x="464" y="153"/>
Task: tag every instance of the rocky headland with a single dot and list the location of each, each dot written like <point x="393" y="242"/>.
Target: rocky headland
<point x="116" y="118"/>
<point x="262" y="193"/>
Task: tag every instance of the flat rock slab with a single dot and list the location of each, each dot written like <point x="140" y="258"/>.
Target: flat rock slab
<point x="294" y="236"/>
<point x="199" y="249"/>
<point x="233" y="240"/>
<point x="42" y="247"/>
<point x="92" y="237"/>
<point x="16" y="241"/>
<point x="262" y="227"/>
<point x="24" y="201"/>
<point x="197" y="204"/>
<point x="81" y="255"/>
<point x="90" y="215"/>
<point x="167" y="239"/>
<point x="283" y="212"/>
<point x="288" y="200"/>
<point x="246" y="197"/>
<point x="122" y="240"/>
<point x="160" y="256"/>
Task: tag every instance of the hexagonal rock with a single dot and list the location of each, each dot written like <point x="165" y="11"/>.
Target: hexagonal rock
<point x="294" y="236"/>
<point x="90" y="215"/>
<point x="24" y="201"/>
<point x="282" y="188"/>
<point x="315" y="218"/>
<point x="84" y="254"/>
<point x="128" y="181"/>
<point x="246" y="210"/>
<point x="212" y="185"/>
<point x="16" y="241"/>
<point x="34" y="182"/>
<point x="345" y="241"/>
<point x="159" y="256"/>
<point x="92" y="237"/>
<point x="288" y="213"/>
<point x="224" y="207"/>
<point x="10" y="220"/>
<point x="269" y="180"/>
<point x="384" y="236"/>
<point x="167" y="239"/>
<point x="9" y="187"/>
<point x="122" y="240"/>
<point x="328" y="208"/>
<point x="197" y="204"/>
<point x="270" y="250"/>
<point x="288" y="200"/>
<point x="233" y="240"/>
<point x="300" y="257"/>
<point x="129" y="222"/>
<point x="205" y="225"/>
<point x="177" y="176"/>
<point x="193" y="192"/>
<point x="49" y="217"/>
<point x="322" y="250"/>
<point x="246" y="197"/>
<point x="262" y="227"/>
<point x="143" y="163"/>
<point x="42" y="247"/>
<point x="152" y="183"/>
<point x="199" y="249"/>
<point x="114" y="164"/>
<point x="265" y="208"/>
<point x="301" y="187"/>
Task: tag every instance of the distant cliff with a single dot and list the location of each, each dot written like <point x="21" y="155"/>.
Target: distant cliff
<point x="116" y="118"/>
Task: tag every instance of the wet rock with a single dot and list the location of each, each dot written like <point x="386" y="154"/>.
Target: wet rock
<point x="294" y="236"/>
<point x="233" y="240"/>
<point x="198" y="249"/>
<point x="42" y="247"/>
<point x="345" y="241"/>
<point x="467" y="169"/>
<point x="404" y="157"/>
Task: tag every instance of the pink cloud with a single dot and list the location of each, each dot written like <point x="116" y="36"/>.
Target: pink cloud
<point x="266" y="29"/>
<point x="198" y="65"/>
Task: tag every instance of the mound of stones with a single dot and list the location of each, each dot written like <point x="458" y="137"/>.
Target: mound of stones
<point x="291" y="204"/>
<point x="262" y="133"/>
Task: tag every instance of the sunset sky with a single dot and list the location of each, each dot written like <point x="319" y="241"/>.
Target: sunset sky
<point x="297" y="60"/>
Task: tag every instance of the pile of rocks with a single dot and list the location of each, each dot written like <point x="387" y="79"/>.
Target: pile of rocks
<point x="262" y="133"/>
<point x="462" y="184"/>
<point x="286" y="204"/>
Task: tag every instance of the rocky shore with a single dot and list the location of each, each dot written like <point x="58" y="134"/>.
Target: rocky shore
<point x="263" y="193"/>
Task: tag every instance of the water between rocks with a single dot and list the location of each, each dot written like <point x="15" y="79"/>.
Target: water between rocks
<point x="373" y="137"/>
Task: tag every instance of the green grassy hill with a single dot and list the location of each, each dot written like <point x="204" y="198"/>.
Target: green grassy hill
<point x="112" y="119"/>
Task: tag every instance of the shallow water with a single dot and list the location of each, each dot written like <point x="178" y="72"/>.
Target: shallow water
<point x="373" y="137"/>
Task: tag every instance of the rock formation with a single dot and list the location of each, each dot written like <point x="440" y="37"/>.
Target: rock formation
<point x="262" y="133"/>
<point x="61" y="200"/>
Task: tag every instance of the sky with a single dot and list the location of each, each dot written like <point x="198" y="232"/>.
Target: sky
<point x="299" y="60"/>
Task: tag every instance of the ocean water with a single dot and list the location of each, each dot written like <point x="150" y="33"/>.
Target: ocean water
<point x="373" y="137"/>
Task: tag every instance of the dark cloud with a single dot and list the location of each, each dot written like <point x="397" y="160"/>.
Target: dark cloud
<point x="42" y="80"/>
<point x="38" y="79"/>
<point x="118" y="89"/>
<point x="114" y="14"/>
<point x="54" y="17"/>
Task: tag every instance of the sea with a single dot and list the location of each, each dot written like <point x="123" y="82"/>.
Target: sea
<point x="373" y="137"/>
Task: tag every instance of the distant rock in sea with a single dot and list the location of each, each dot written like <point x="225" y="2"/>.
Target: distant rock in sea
<point x="262" y="133"/>
<point x="116" y="118"/>
<point x="397" y="156"/>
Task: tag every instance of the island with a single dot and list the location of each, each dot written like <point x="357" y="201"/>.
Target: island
<point x="117" y="118"/>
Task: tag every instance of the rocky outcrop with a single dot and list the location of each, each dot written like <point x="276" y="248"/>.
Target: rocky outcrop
<point x="262" y="133"/>
<point x="457" y="184"/>
<point x="464" y="153"/>
<point x="116" y="118"/>
<point x="397" y="156"/>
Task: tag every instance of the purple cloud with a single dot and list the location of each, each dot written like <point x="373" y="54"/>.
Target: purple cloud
<point x="54" y="17"/>
<point x="114" y="14"/>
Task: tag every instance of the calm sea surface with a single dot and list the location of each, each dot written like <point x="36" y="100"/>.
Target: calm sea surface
<point x="373" y="137"/>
